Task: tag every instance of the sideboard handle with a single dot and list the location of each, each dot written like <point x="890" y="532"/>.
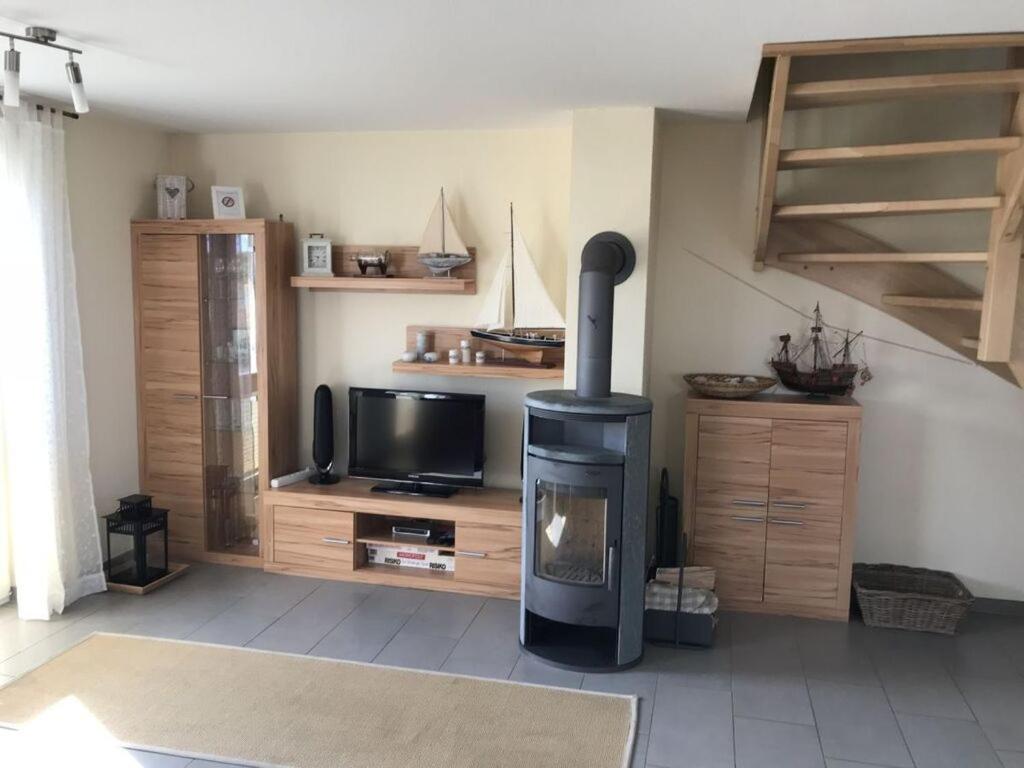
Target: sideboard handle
<point x="334" y="540"/>
<point x="745" y="519"/>
<point x="788" y="505"/>
<point x="780" y="521"/>
<point x="184" y="396"/>
<point x="467" y="553"/>
<point x="748" y="503"/>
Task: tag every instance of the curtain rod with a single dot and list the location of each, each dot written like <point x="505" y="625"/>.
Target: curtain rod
<point x="72" y="115"/>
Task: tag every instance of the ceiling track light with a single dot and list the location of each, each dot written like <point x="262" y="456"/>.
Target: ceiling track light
<point x="45" y="37"/>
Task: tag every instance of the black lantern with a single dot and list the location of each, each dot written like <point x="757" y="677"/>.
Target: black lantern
<point x="146" y="526"/>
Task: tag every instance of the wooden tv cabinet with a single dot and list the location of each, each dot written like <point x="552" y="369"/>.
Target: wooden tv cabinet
<point x="323" y="531"/>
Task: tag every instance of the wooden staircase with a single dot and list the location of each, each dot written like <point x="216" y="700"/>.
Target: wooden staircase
<point x="810" y="239"/>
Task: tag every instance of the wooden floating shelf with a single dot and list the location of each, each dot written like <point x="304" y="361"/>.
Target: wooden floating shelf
<point x="489" y="370"/>
<point x="437" y="285"/>
<point x="822" y="157"/>
<point x="406" y="273"/>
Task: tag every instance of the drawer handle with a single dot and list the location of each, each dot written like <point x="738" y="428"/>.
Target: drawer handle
<point x="467" y="553"/>
<point x="780" y="521"/>
<point x="183" y="396"/>
<point x="334" y="540"/>
<point x="748" y="503"/>
<point x="745" y="519"/>
<point x="216" y="397"/>
<point x="788" y="505"/>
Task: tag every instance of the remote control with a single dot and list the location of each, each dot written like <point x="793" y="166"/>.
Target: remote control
<point x="291" y="479"/>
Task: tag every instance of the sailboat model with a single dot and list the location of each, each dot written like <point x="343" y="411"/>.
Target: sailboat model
<point x="518" y="314"/>
<point x="442" y="248"/>
<point x="825" y="377"/>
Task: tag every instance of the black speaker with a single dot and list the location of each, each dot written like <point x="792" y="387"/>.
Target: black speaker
<point x="323" y="437"/>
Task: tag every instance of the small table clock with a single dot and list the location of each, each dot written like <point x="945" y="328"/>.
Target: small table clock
<point x="316" y="256"/>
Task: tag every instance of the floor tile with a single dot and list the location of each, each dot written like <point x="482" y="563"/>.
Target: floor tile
<point x="305" y="625"/>
<point x="1011" y="759"/>
<point x="211" y="764"/>
<point x="831" y="762"/>
<point x="856" y="723"/>
<point x="392" y="601"/>
<point x="779" y="657"/>
<point x="763" y="744"/>
<point x="409" y="649"/>
<point x="999" y="707"/>
<point x="629" y="682"/>
<point x="445" y="615"/>
<point x="920" y="685"/>
<point x="942" y="743"/>
<point x="837" y="663"/>
<point x="496" y="670"/>
<point x="977" y="655"/>
<point x="144" y="759"/>
<point x="770" y="697"/>
<point x="691" y="727"/>
<point x="532" y="670"/>
<point x="698" y="667"/>
<point x="359" y="638"/>
<point x="256" y="611"/>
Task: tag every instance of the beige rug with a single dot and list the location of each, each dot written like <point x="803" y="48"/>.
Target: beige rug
<point x="270" y="709"/>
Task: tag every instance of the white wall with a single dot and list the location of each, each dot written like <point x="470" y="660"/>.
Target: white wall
<point x="613" y="164"/>
<point x="111" y="164"/>
<point x="943" y="444"/>
<point x="379" y="188"/>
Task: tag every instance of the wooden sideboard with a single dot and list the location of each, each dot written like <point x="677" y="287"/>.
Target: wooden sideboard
<point x="323" y="531"/>
<point x="770" y="501"/>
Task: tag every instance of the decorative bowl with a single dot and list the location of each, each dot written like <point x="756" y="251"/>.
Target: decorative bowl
<point x="430" y="357"/>
<point x="441" y="266"/>
<point x="728" y="386"/>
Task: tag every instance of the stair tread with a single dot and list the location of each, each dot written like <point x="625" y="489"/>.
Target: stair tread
<point x="823" y="93"/>
<point x="885" y="208"/>
<point x="883" y="257"/>
<point x="817" y="157"/>
<point x="933" y="302"/>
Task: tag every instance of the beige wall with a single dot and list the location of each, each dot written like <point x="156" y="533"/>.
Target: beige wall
<point x="110" y="167"/>
<point x="379" y="188"/>
<point x="941" y="484"/>
<point x="613" y="164"/>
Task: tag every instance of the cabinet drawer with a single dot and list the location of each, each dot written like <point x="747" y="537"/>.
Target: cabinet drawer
<point x="316" y="538"/>
<point x="802" y="561"/>
<point x="734" y="546"/>
<point x="489" y="556"/>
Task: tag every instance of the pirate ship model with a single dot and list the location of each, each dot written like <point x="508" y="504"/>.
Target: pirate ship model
<point x="826" y="376"/>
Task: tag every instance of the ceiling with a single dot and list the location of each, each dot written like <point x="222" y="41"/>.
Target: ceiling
<point x="308" y="65"/>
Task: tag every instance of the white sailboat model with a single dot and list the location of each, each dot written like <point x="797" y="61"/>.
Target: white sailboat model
<point x="518" y="313"/>
<point x="442" y="248"/>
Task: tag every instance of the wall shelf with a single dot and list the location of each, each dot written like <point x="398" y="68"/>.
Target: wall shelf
<point x="490" y="370"/>
<point x="408" y="275"/>
<point x="437" y="285"/>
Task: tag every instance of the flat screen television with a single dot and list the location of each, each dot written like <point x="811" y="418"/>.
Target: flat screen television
<point x="421" y="442"/>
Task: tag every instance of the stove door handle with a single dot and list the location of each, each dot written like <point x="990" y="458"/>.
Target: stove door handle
<point x="611" y="568"/>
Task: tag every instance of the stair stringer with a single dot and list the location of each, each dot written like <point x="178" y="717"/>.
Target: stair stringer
<point x="870" y="282"/>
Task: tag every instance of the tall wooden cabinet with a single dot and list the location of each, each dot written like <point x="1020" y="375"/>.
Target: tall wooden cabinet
<point x="215" y="339"/>
<point x="770" y="500"/>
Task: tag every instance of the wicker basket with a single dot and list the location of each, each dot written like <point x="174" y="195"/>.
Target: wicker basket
<point x="899" y="597"/>
<point x="728" y="386"/>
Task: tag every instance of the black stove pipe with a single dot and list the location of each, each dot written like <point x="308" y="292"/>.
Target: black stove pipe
<point x="608" y="259"/>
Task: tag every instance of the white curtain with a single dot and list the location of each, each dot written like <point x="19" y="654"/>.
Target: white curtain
<point x="49" y="538"/>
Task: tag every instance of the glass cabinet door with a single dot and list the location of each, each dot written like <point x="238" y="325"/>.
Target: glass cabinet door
<point x="230" y="413"/>
<point x="570" y="531"/>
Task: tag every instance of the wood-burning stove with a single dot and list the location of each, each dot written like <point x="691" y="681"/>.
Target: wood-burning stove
<point x="585" y="495"/>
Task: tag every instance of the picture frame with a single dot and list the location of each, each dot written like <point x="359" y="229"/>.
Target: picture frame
<point x="228" y="202"/>
<point x="316" y="256"/>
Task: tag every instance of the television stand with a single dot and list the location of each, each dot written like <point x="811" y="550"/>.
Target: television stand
<point x="416" y="489"/>
<point x="325" y="531"/>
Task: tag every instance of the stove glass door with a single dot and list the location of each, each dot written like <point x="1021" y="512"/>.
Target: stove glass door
<point x="571" y="538"/>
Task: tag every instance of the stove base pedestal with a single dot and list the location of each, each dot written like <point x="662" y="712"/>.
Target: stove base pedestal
<point x="576" y="648"/>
